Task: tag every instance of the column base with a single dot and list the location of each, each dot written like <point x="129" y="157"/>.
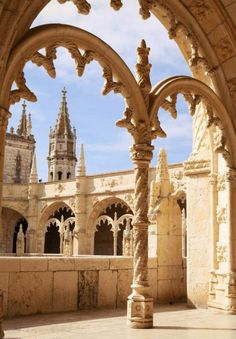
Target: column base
<point x="222" y="294"/>
<point x="140" y="308"/>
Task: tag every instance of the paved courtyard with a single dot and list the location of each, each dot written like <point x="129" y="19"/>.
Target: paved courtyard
<point x="174" y="321"/>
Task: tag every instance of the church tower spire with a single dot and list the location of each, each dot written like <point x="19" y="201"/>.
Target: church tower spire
<point x="62" y="145"/>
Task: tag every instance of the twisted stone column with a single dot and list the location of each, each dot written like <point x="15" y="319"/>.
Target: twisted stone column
<point x="140" y="302"/>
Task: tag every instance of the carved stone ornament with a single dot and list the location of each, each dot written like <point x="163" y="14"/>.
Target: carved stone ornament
<point x="46" y="61"/>
<point x="23" y="91"/>
<point x="221" y="215"/>
<point x="201" y="9"/>
<point x="221" y="182"/>
<point x="224" y="49"/>
<point x="221" y="252"/>
<point x="195" y="167"/>
<point x="60" y="188"/>
<point x="232" y="88"/>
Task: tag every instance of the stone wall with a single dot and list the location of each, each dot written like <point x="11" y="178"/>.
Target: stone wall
<point x="54" y="284"/>
<point x="18" y="146"/>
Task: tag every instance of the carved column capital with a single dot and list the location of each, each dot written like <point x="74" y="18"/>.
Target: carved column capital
<point x="141" y="153"/>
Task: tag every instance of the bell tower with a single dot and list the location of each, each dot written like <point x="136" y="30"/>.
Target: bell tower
<point x="62" y="146"/>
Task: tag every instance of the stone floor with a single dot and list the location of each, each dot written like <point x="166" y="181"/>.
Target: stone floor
<point x="174" y="321"/>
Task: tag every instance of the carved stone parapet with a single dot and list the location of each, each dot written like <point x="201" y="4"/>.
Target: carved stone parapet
<point x="196" y="167"/>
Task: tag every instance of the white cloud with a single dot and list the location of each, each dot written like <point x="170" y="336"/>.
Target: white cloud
<point x="123" y="30"/>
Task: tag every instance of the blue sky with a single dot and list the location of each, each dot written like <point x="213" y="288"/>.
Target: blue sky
<point x="93" y="115"/>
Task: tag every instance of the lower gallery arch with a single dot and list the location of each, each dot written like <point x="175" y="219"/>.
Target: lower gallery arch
<point x="57" y="220"/>
<point x="11" y="221"/>
<point x="106" y="225"/>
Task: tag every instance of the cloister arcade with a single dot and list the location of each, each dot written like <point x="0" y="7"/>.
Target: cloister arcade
<point x="205" y="33"/>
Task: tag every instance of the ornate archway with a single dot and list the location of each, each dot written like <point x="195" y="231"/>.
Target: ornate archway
<point x="144" y="127"/>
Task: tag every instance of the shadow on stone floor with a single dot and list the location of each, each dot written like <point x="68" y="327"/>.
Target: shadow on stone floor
<point x="36" y="320"/>
<point x="193" y="328"/>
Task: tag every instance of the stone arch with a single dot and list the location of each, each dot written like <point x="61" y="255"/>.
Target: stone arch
<point x="45" y="221"/>
<point x="58" y="35"/>
<point x="184" y="15"/>
<point x="11" y="219"/>
<point x="99" y="207"/>
<point x="217" y="114"/>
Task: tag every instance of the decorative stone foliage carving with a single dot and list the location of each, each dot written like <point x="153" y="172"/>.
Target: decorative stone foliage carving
<point x="110" y="84"/>
<point x="23" y="91"/>
<point x="221" y="182"/>
<point x="221" y="215"/>
<point x="46" y="61"/>
<point x="81" y="60"/>
<point x="145" y="7"/>
<point x="221" y="252"/>
<point x="116" y="4"/>
<point x="143" y="71"/>
<point x="82" y="5"/>
<point x="170" y="105"/>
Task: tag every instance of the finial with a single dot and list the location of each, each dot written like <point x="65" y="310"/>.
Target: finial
<point x="24" y="106"/>
<point x="81" y="163"/>
<point x="33" y="173"/>
<point x="64" y="91"/>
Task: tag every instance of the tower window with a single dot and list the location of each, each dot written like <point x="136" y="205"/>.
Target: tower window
<point x="51" y="175"/>
<point x="59" y="175"/>
<point x="68" y="175"/>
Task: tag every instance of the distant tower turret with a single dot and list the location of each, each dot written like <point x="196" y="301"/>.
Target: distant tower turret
<point x="62" y="146"/>
<point x="19" y="150"/>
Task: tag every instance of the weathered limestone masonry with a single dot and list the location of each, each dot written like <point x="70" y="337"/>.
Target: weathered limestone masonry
<point x="205" y="32"/>
<point x="34" y="284"/>
<point x="165" y="232"/>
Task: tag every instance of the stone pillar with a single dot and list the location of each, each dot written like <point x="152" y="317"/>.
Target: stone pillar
<point x="140" y="302"/>
<point x="79" y="243"/>
<point x="230" y="292"/>
<point x="4" y="116"/>
<point x="32" y="219"/>
<point x="214" y="235"/>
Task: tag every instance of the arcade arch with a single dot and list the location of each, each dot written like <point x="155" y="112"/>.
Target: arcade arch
<point x="206" y="56"/>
